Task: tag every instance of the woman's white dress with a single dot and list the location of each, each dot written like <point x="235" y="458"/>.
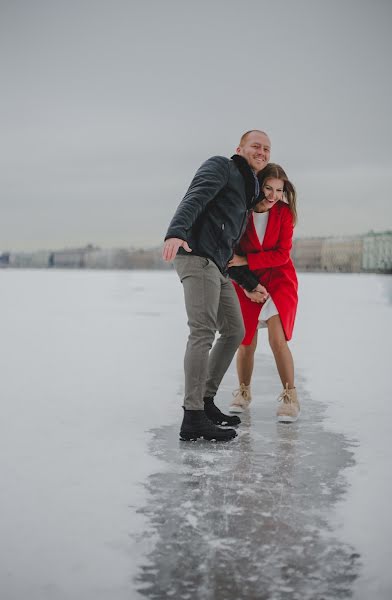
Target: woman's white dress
<point x="269" y="309"/>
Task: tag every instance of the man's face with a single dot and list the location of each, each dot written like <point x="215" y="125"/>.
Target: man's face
<point x="256" y="150"/>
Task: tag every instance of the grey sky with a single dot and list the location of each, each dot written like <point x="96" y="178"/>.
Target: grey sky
<point x="109" y="107"/>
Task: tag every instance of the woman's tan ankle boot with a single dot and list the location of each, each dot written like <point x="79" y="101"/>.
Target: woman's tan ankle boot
<point x="242" y="399"/>
<point x="288" y="409"/>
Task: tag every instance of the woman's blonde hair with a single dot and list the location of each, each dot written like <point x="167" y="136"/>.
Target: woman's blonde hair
<point x="274" y="171"/>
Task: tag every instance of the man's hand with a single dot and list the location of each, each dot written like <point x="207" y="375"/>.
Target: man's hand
<point x="171" y="246"/>
<point x="238" y="261"/>
<point x="259" y="294"/>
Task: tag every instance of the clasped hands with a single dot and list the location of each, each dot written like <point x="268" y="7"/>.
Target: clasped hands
<point x="259" y="294"/>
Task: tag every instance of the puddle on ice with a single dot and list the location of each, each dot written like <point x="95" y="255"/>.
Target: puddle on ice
<point x="249" y="520"/>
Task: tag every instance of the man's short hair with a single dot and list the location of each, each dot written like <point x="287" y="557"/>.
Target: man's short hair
<point x="243" y="138"/>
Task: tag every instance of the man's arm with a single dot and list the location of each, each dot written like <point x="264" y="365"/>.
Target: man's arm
<point x="209" y="180"/>
<point x="244" y="277"/>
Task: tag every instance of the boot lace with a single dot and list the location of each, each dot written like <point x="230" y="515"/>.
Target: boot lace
<point x="285" y="396"/>
<point x="241" y="394"/>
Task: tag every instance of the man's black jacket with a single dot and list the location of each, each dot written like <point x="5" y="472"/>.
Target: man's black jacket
<point x="213" y="214"/>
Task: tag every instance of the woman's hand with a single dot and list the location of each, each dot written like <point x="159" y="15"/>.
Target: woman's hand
<point x="259" y="294"/>
<point x="255" y="297"/>
<point x="238" y="261"/>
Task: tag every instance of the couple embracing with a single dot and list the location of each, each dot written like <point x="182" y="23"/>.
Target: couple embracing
<point x="230" y="239"/>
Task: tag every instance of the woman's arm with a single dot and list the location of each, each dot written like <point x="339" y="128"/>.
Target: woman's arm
<point x="279" y="255"/>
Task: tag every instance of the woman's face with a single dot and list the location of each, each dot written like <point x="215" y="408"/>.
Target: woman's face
<point x="273" y="191"/>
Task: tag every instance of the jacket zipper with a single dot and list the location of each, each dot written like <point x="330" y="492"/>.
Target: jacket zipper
<point x="242" y="224"/>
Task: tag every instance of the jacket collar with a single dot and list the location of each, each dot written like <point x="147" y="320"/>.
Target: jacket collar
<point x="252" y="191"/>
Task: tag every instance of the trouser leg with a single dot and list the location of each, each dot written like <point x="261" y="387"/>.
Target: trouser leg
<point x="231" y="328"/>
<point x="201" y="281"/>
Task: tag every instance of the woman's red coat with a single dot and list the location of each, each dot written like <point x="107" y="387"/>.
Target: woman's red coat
<point x="272" y="264"/>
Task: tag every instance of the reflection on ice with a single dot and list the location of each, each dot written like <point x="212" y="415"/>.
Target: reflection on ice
<point x="248" y="519"/>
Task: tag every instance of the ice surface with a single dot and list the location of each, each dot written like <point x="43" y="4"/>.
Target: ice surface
<point x="90" y="393"/>
<point x="343" y="344"/>
<point x="254" y="524"/>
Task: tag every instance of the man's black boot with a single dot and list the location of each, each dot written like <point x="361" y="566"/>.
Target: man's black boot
<point x="196" y="425"/>
<point x="217" y="416"/>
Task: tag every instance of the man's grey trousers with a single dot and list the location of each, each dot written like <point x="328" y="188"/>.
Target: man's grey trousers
<point x="211" y="305"/>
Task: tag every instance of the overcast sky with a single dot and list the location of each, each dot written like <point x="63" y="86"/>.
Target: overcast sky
<point x="109" y="107"/>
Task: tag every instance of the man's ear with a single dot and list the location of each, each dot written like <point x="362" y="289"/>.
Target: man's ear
<point x="238" y="150"/>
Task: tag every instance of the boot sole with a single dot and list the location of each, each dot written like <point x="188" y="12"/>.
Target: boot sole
<point x="287" y="419"/>
<point x="225" y="423"/>
<point x="236" y="410"/>
<point x="193" y="437"/>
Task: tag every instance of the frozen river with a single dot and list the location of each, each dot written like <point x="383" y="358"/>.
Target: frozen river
<point x="99" y="499"/>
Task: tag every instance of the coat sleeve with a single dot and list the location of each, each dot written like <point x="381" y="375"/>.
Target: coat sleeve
<point x="280" y="254"/>
<point x="209" y="180"/>
<point x="244" y="277"/>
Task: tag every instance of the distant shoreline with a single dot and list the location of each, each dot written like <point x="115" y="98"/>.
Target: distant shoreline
<point x="369" y="253"/>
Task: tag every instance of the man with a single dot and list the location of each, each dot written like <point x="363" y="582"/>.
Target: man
<point x="201" y="238"/>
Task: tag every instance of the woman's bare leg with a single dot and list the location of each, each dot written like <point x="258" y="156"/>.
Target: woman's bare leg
<point x="281" y="351"/>
<point x="245" y="361"/>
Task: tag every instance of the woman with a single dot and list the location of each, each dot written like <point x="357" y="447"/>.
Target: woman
<point x="265" y="249"/>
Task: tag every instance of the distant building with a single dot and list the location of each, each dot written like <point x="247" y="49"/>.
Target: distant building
<point x="377" y="252"/>
<point x="4" y="259"/>
<point x="101" y="259"/>
<point x="342" y="254"/>
<point x="306" y="254"/>
<point x="70" y="258"/>
<point x="125" y="258"/>
<point x="328" y="254"/>
<point x="148" y="259"/>
<point x="30" y="260"/>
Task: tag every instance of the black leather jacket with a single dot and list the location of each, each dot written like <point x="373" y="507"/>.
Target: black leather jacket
<point x="213" y="214"/>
